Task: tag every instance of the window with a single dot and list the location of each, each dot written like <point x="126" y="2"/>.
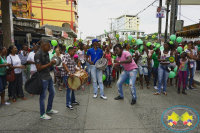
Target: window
<point x="67" y="2"/>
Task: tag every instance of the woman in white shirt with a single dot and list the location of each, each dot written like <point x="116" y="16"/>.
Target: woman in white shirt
<point x="31" y="60"/>
<point x="16" y="85"/>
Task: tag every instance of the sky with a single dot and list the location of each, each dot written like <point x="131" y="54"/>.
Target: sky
<point x="94" y="15"/>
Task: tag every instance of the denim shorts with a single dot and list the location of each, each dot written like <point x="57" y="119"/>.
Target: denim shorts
<point x="143" y="70"/>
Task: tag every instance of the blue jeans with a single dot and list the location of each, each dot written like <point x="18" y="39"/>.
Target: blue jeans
<point x="188" y="74"/>
<point x="97" y="76"/>
<point x="88" y="70"/>
<point x="155" y="71"/>
<point x="2" y="83"/>
<point x="108" y="75"/>
<point x="47" y="85"/>
<point x="70" y="96"/>
<point x="132" y="77"/>
<point x="163" y="75"/>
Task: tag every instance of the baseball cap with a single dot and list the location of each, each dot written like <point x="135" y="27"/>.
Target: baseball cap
<point x="95" y="40"/>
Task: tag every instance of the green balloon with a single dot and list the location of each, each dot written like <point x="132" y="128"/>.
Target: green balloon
<point x="179" y="39"/>
<point x="148" y="44"/>
<point x="104" y="77"/>
<point x="158" y="45"/>
<point x="198" y="48"/>
<point x="173" y="37"/>
<point x="113" y="56"/>
<point x="142" y="47"/>
<point x="175" y="69"/>
<point x="130" y="37"/>
<point x="171" y="42"/>
<point x="139" y="42"/>
<point x="54" y="42"/>
<point x="172" y="74"/>
<point x="161" y="48"/>
<point x="180" y="49"/>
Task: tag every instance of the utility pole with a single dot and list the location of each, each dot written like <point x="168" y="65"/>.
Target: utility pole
<point x="167" y="16"/>
<point x="174" y="11"/>
<point x="80" y="34"/>
<point x="7" y="23"/>
<point x="160" y="23"/>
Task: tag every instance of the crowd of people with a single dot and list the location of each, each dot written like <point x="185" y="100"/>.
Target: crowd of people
<point x="126" y="64"/>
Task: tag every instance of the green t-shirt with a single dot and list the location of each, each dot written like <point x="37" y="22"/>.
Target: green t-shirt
<point x="3" y="69"/>
<point x="155" y="59"/>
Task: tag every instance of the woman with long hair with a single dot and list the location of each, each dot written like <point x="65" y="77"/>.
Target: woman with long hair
<point x="163" y="71"/>
<point x="15" y="63"/>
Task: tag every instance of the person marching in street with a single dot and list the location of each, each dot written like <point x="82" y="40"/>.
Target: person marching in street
<point x="143" y="66"/>
<point x="96" y="54"/>
<point x="68" y="69"/>
<point x="3" y="65"/>
<point x="163" y="71"/>
<point x="130" y="71"/>
<point x="57" y="69"/>
<point x="107" y="54"/>
<point x="155" y="66"/>
<point x="183" y="66"/>
<point x="43" y="65"/>
<point x="15" y="62"/>
<point x="30" y="59"/>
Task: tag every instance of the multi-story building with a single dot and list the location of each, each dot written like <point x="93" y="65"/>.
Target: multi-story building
<point x="126" y="22"/>
<point x="52" y="12"/>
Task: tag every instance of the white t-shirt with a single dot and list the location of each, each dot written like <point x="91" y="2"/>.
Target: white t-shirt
<point x="81" y="55"/>
<point x="15" y="62"/>
<point x="111" y="50"/>
<point x="78" y="67"/>
<point x="31" y="58"/>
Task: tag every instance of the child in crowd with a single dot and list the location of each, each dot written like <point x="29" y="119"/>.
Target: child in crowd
<point x="184" y="65"/>
<point x="79" y="67"/>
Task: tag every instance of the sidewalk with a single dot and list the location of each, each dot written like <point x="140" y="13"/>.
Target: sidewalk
<point x="197" y="77"/>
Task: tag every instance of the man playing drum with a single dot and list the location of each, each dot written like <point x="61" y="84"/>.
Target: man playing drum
<point x="96" y="54"/>
<point x="69" y="68"/>
<point x="130" y="71"/>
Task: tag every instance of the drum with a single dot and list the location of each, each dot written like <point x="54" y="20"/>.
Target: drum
<point x="80" y="78"/>
<point x="101" y="64"/>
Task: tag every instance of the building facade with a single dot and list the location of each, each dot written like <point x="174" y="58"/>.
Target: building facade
<point x="52" y="12"/>
<point x="126" y="22"/>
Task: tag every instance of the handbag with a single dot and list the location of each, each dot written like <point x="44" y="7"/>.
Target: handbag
<point x="34" y="84"/>
<point x="10" y="73"/>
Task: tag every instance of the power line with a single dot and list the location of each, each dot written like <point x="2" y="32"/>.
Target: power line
<point x="187" y="18"/>
<point x="138" y="13"/>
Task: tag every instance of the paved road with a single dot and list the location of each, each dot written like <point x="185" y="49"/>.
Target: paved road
<point x="97" y="115"/>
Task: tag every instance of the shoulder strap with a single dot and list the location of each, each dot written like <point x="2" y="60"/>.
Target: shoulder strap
<point x="11" y="61"/>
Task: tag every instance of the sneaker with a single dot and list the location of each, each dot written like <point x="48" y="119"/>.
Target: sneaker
<point x="75" y="103"/>
<point x="133" y="102"/>
<point x="98" y="87"/>
<point x="192" y="88"/>
<point x="69" y="107"/>
<point x="103" y="97"/>
<point x="45" y="117"/>
<point x="187" y="88"/>
<point x="161" y="87"/>
<point x="52" y="111"/>
<point x="118" y="98"/>
<point x="95" y="96"/>
<point x="155" y="87"/>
